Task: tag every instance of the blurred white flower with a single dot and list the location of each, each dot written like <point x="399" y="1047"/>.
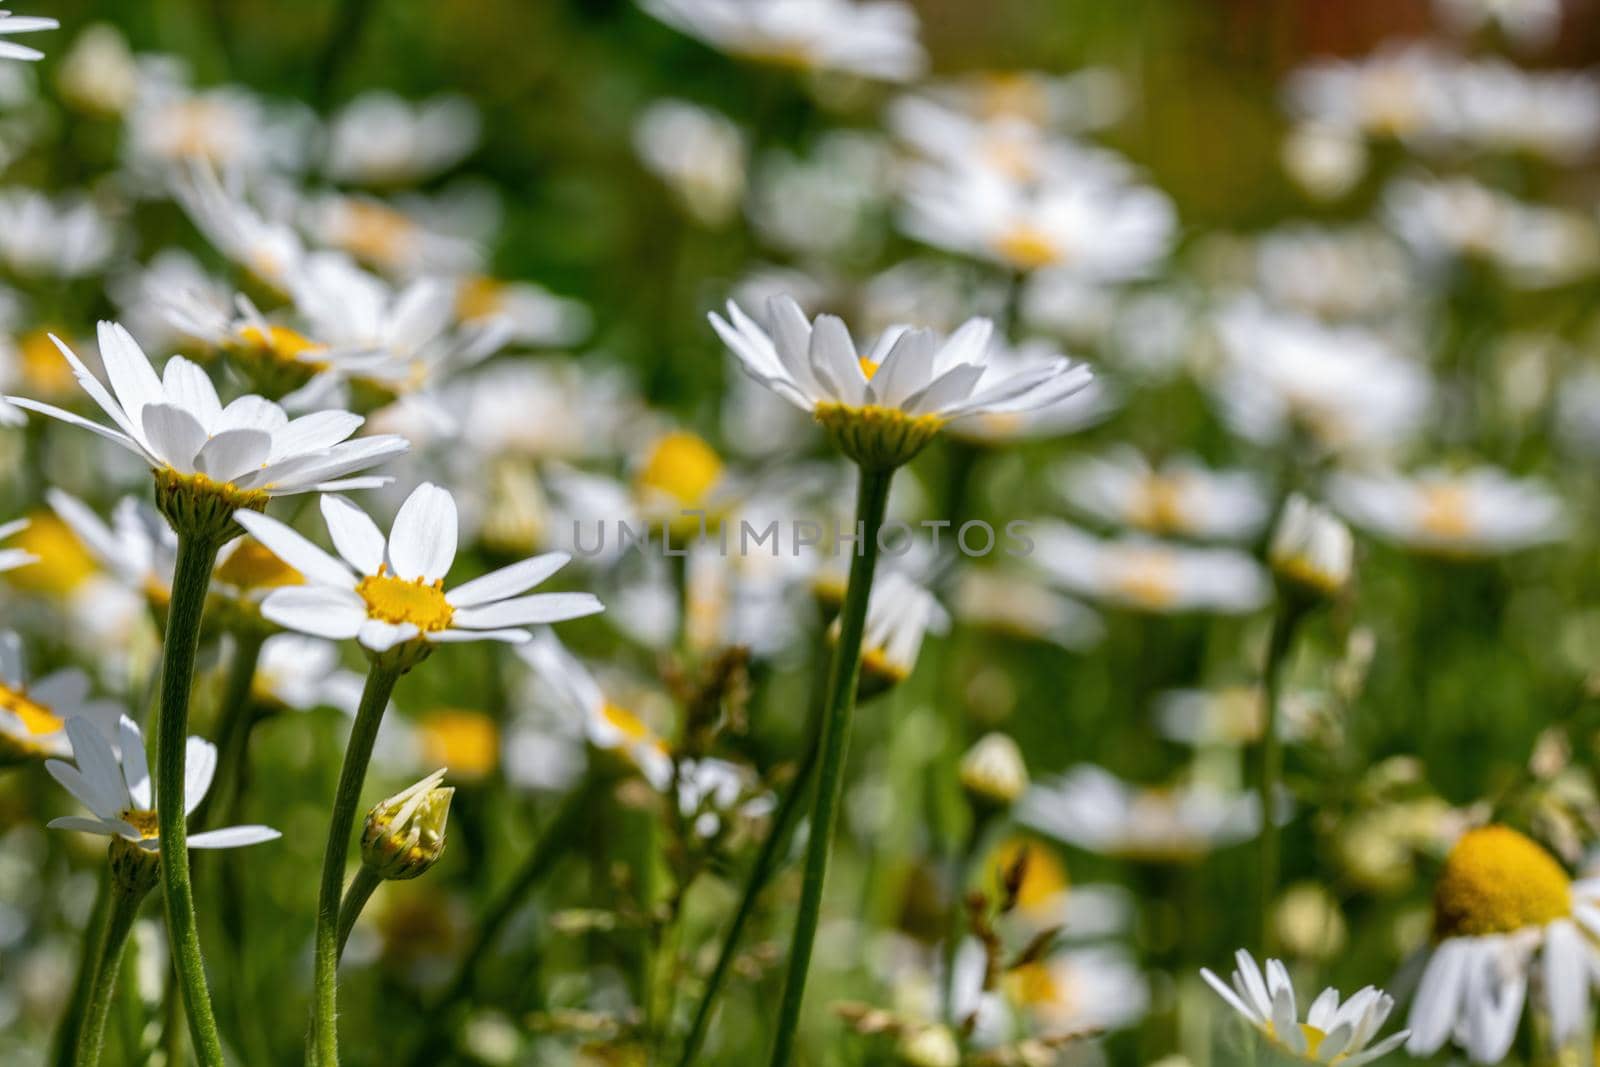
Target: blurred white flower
<point x="98" y="74"/>
<point x="1181" y="498"/>
<point x="1076" y="411"/>
<point x="1015" y="603"/>
<point x="138" y="548"/>
<point x="1310" y="548"/>
<point x="1094" y="810"/>
<point x="1325" y="160"/>
<point x="380" y="139"/>
<point x="45" y="238"/>
<point x="270" y="249"/>
<point x="1146" y="575"/>
<point x="404" y="238"/>
<point x="873" y="38"/>
<point x="1476" y="512"/>
<point x="301" y="673"/>
<point x="699" y="153"/>
<point x="524" y="313"/>
<point x="173" y="127"/>
<point x="1528" y="23"/>
<point x="825" y="203"/>
<point x="34" y="713"/>
<point x="1066" y="992"/>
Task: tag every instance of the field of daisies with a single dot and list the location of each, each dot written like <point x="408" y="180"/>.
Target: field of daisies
<point x="805" y="533"/>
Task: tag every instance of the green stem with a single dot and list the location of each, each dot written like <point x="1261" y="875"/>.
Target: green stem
<point x="192" y="576"/>
<point x="960" y="870"/>
<point x="93" y="934"/>
<point x="872" y="498"/>
<point x="355" y="898"/>
<point x="119" y="922"/>
<point x="381" y="679"/>
<point x="761" y="872"/>
<point x="1271" y="768"/>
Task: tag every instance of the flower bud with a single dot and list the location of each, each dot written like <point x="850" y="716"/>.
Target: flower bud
<point x="993" y="771"/>
<point x="929" y="1046"/>
<point x="1311" y="551"/>
<point x="404" y="835"/>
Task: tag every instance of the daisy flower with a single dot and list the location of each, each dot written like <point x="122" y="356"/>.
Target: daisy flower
<point x="12" y="558"/>
<point x="11" y="23"/>
<point x="1478" y="512"/>
<point x="1070" y="413"/>
<point x="1008" y="601"/>
<point x="57" y="239"/>
<point x="884" y="406"/>
<point x="900" y="613"/>
<point x="33" y="715"/>
<point x="241" y="454"/>
<point x="1505" y="914"/>
<point x="301" y="673"/>
<point x="875" y="39"/>
<point x="118" y="790"/>
<point x="1335" y="1031"/>
<point x="698" y="153"/>
<point x="137" y="548"/>
<point x="1146" y="575"/>
<point x="269" y="249"/>
<point x="388" y="591"/>
<point x="1097" y="987"/>
<point x="1311" y="549"/>
<point x="1179" y="498"/>
<point x="380" y="139"/>
<point x="1098" y="812"/>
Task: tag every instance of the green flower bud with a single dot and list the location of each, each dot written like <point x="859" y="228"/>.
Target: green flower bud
<point x="404" y="835"/>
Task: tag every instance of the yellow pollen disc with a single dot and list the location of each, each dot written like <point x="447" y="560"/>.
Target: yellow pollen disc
<point x="466" y="741"/>
<point x="1148" y="579"/>
<point x="625" y="722"/>
<point x="1043" y="880"/>
<point x="1008" y="94"/>
<point x="480" y="297"/>
<point x="1027" y="248"/>
<point x="1158" y="505"/>
<point x="375" y="232"/>
<point x="42" y="366"/>
<point x="142" y="821"/>
<point x="37" y="719"/>
<point x="868" y="367"/>
<point x="63" y="564"/>
<point x="397" y="600"/>
<point x="683" y="467"/>
<point x="1496" y="881"/>
<point x="280" y="342"/>
<point x="1314" y="1039"/>
<point x="1033" y="985"/>
<point x="1446" y="512"/>
<point x="252" y="565"/>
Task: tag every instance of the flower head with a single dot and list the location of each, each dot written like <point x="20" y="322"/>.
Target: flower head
<point x="404" y="835"/>
<point x="34" y="714"/>
<point x="877" y="39"/>
<point x="390" y="591"/>
<point x="1311" y="550"/>
<point x="993" y="770"/>
<point x="883" y="406"/>
<point x="118" y="790"/>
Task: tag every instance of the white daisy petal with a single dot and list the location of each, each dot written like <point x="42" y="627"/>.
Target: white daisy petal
<point x="422" y="541"/>
<point x="135" y="766"/>
<point x="355" y="536"/>
<point x="539" y="608"/>
<point x="510" y="637"/>
<point x="175" y="436"/>
<point x="234" y="837"/>
<point x="380" y="636"/>
<point x="199" y="766"/>
<point x="293" y="548"/>
<point x="321" y="611"/>
<point x="507" y="581"/>
<point x="231" y="453"/>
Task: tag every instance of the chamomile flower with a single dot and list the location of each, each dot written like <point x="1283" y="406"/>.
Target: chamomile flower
<point x="1098" y="812"/>
<point x="300" y="673"/>
<point x="117" y="789"/>
<point x="607" y="726"/>
<point x="1477" y="512"/>
<point x="1311" y="550"/>
<point x="874" y="38"/>
<point x="884" y="406"/>
<point x="12" y="558"/>
<point x="900" y="613"/>
<point x="201" y="451"/>
<point x="11" y="23"/>
<point x="1147" y="575"/>
<point x="700" y="154"/>
<point x="1011" y="602"/>
<point x="34" y="714"/>
<point x="270" y="249"/>
<point x="1505" y="915"/>
<point x="1071" y="991"/>
<point x="406" y="238"/>
<point x="1181" y="498"/>
<point x="390" y="591"/>
<point x="138" y="548"/>
<point x="1335" y="1030"/>
<point x="45" y="238"/>
<point x="380" y="139"/>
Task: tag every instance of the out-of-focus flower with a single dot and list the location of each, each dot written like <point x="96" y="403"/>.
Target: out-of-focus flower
<point x="875" y="38"/>
<point x="405" y="238"/>
<point x="993" y="770"/>
<point x="160" y="301"/>
<point x="138" y="548"/>
<point x="1325" y="160"/>
<point x="883" y="407"/>
<point x="525" y="313"/>
<point x="1505" y="914"/>
<point x="11" y="23"/>
<point x="172" y="127"/>
<point x="1066" y="992"/>
<point x="404" y="836"/>
<point x="1309" y="923"/>
<point x="301" y="673"/>
<point x="1092" y="809"/>
<point x="1147" y="575"/>
<point x="1231" y="715"/>
<point x="1078" y="102"/>
<point x="680" y="472"/>
<point x="42" y="238"/>
<point x="98" y="74"/>
<point x="1046" y="897"/>
<point x="34" y="715"/>
<point x="1336" y="274"/>
<point x="825" y="204"/>
<point x="1334" y="1031"/>
<point x="550" y="409"/>
<point x="1018" y="604"/>
<point x="1528" y="23"/>
<point x="117" y="790"/>
<point x="1311" y="550"/>
<point x="395" y="593"/>
<point x="380" y="139"/>
<point x="1102" y="229"/>
<point x="466" y="740"/>
<point x="269" y="248"/>
<point x="1477" y="512"/>
<point x="1182" y="498"/>
<point x="900" y="613"/>
<point x="709" y="790"/>
<point x="699" y="153"/>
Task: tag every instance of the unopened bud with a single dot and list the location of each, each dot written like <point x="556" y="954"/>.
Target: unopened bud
<point x="993" y="771"/>
<point x="1311" y="551"/>
<point x="404" y="835"/>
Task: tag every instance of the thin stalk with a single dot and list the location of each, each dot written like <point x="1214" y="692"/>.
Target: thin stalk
<point x="192" y="576"/>
<point x="1271" y="768"/>
<point x="872" y="497"/>
<point x="123" y="910"/>
<point x="67" y="1036"/>
<point x="355" y="898"/>
<point x="961" y="864"/>
<point x="381" y="679"/>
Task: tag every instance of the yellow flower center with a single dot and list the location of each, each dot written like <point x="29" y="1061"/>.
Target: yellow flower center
<point x="480" y="297"/>
<point x="1314" y="1039"/>
<point x="63" y="564"/>
<point x="791" y="55"/>
<point x="1148" y="579"/>
<point x="1011" y="156"/>
<point x="397" y="600"/>
<point x="683" y="467"/>
<point x="375" y="232"/>
<point x="1044" y="879"/>
<point x="252" y="565"/>
<point x="1158" y="505"/>
<point x="142" y="821"/>
<point x="868" y="367"/>
<point x="466" y="741"/>
<point x="1027" y="248"/>
<point x="1496" y="881"/>
<point x="1033" y="985"/>
<point x="37" y="719"/>
<point x="42" y="366"/>
<point x="1446" y="511"/>
<point x="875" y="436"/>
<point x="279" y="342"/>
<point x="625" y="722"/>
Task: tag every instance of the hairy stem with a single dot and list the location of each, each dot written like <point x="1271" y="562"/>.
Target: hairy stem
<point x="355" y="898"/>
<point x="124" y="908"/>
<point x="66" y="1045"/>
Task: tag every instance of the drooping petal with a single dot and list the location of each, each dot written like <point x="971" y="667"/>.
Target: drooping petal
<point x="92" y="753"/>
<point x="135" y="766"/>
<point x="199" y="767"/>
<point x="290" y="546"/>
<point x="321" y="611"/>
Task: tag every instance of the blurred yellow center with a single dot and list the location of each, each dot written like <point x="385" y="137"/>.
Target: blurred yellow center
<point x="375" y="232"/>
<point x="1446" y="511"/>
<point x="63" y="564"/>
<point x="868" y="367"/>
<point x="1008" y="94"/>
<point x="36" y="718"/>
<point x="625" y="722"/>
<point x="683" y="467"/>
<point x="466" y="741"/>
<point x="397" y="600"/>
<point x="1158" y="505"/>
<point x="1033" y="985"/>
<point x="252" y="565"/>
<point x="1044" y="878"/>
<point x="142" y="821"/>
<point x="1027" y="247"/>
<point x="1148" y="579"/>
<point x="480" y="297"/>
<point x="280" y="342"/>
<point x="1496" y="881"/>
<point x="1313" y="1037"/>
<point x="42" y="366"/>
